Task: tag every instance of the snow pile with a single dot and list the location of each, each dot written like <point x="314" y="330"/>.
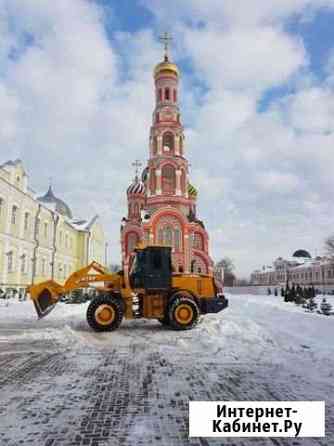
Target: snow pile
<point x="253" y="328"/>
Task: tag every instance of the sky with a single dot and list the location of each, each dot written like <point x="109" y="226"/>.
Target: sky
<point x="257" y="102"/>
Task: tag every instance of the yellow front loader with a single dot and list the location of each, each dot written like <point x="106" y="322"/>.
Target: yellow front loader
<point x="151" y="290"/>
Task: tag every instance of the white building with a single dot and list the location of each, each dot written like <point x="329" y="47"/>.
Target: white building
<point x="301" y="269"/>
<point x="39" y="238"/>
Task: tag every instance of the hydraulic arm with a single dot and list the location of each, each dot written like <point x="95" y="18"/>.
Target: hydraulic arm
<point x="46" y="294"/>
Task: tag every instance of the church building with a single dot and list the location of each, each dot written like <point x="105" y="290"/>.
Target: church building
<point x="162" y="202"/>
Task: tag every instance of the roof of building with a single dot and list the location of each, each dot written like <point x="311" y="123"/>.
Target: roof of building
<point x="302" y="253"/>
<point x="192" y="191"/>
<point x="11" y="163"/>
<point x="83" y="225"/>
<point x="136" y="187"/>
<point x="166" y="66"/>
<point x="56" y="203"/>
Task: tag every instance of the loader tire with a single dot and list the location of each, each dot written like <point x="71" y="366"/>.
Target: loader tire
<point x="183" y="313"/>
<point x="105" y="313"/>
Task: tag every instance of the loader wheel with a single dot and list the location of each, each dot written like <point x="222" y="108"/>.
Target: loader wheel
<point x="183" y="313"/>
<point x="105" y="313"/>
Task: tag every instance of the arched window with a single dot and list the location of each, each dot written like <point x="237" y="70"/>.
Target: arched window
<point x="160" y="94"/>
<point x="168" y="141"/>
<point x="23" y="263"/>
<point x="168" y="179"/>
<point x="198" y="241"/>
<point x="168" y="236"/>
<point x="167" y="96"/>
<point x="169" y="232"/>
<point x="174" y="95"/>
<point x="10" y="262"/>
<point x="26" y="221"/>
<point x="130" y="210"/>
<point x="14" y="214"/>
<point x="136" y="209"/>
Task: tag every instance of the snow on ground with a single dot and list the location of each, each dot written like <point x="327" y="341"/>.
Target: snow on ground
<point x="62" y="384"/>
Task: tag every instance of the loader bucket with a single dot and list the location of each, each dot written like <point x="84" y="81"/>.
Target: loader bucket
<point x="45" y="297"/>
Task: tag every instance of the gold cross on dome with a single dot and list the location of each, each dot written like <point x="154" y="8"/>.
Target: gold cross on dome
<point x="137" y="164"/>
<point x="165" y="38"/>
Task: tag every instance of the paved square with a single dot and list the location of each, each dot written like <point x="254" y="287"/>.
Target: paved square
<point x="65" y="385"/>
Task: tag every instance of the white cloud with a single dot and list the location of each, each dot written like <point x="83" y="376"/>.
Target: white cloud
<point x="77" y="106"/>
<point x="277" y="182"/>
<point x="8" y="112"/>
<point x="234" y="12"/>
<point x="311" y="110"/>
<point x="245" y="58"/>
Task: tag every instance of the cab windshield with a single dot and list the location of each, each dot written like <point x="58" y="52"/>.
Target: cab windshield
<point x="134" y="264"/>
<point x="137" y="263"/>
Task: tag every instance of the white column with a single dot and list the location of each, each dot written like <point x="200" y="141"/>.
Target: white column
<point x="178" y="181"/>
<point x="159" y="138"/>
<point x="177" y="145"/>
<point x="158" y="181"/>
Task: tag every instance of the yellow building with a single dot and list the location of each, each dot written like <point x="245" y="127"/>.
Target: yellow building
<point x="39" y="238"/>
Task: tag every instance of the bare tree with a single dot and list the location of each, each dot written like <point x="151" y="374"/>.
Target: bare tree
<point x="228" y="266"/>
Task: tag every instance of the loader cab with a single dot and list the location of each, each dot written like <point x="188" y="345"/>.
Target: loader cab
<point x="151" y="269"/>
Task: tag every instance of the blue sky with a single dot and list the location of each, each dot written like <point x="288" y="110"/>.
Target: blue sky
<point x="257" y="100"/>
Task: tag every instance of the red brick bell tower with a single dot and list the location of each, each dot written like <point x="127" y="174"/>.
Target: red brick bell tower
<point x="164" y="196"/>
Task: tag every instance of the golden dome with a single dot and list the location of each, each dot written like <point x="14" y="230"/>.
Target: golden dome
<point x="166" y="66"/>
